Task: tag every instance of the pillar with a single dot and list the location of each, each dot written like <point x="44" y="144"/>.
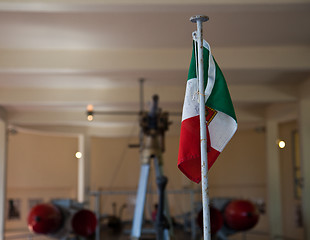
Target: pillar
<point x="304" y="133"/>
<point x="84" y="168"/>
<point x="274" y="202"/>
<point x="3" y="168"/>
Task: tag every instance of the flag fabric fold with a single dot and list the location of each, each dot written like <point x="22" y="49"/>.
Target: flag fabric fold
<point x="220" y="116"/>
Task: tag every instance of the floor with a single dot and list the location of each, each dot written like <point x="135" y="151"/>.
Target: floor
<point x="148" y="233"/>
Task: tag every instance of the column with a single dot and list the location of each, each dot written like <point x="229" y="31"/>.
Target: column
<point x="84" y="168"/>
<point x="274" y="203"/>
<point x="304" y="132"/>
<point x="3" y="168"/>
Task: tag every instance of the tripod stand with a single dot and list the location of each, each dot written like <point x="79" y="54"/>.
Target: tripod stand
<point x="153" y="124"/>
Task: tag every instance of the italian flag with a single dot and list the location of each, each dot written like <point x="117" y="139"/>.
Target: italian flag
<point x="220" y="117"/>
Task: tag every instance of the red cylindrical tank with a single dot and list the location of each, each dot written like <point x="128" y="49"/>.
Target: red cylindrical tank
<point x="84" y="223"/>
<point x="216" y="220"/>
<point x="241" y="215"/>
<point x="44" y="219"/>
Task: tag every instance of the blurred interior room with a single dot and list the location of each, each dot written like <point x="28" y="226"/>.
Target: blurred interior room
<point x="77" y="81"/>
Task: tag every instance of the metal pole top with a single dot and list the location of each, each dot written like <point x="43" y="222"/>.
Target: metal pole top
<point x="201" y="18"/>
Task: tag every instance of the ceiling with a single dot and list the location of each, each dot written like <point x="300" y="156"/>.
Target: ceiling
<point x="56" y="57"/>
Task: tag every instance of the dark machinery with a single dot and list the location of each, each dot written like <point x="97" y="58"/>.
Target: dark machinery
<point x="162" y="224"/>
<point x="153" y="126"/>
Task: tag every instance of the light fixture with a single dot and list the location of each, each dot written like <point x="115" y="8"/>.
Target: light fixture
<point x="281" y="144"/>
<point x="90" y="117"/>
<point x="90" y="112"/>
<point x="78" y="155"/>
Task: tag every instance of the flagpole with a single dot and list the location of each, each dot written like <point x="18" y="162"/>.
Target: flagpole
<point x="203" y="132"/>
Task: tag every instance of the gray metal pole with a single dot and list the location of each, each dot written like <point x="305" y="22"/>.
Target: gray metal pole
<point x="140" y="202"/>
<point x="98" y="213"/>
<point x="203" y="133"/>
<point x="193" y="215"/>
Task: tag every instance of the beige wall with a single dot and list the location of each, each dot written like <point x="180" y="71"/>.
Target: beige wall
<point x="240" y="171"/>
<point x="39" y="167"/>
<point x="45" y="167"/>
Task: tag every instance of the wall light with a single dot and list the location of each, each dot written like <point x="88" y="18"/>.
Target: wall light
<point x="281" y="144"/>
<point x="78" y="155"/>
<point x="90" y="112"/>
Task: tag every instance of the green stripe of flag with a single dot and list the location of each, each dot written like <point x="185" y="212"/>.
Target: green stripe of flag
<point x="220" y="98"/>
